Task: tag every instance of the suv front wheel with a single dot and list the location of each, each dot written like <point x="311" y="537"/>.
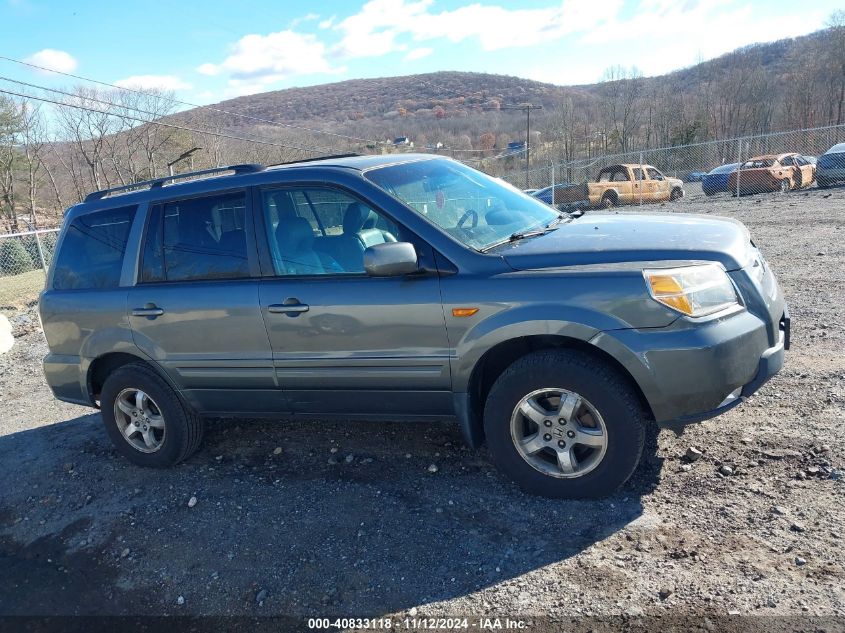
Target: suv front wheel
<point x="146" y="420"/>
<point x="564" y="424"/>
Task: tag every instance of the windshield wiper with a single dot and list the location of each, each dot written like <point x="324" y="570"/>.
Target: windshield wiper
<point x="551" y="226"/>
<point x="519" y="235"/>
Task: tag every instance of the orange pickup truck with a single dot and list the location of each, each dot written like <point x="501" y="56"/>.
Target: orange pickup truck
<point x="621" y="184"/>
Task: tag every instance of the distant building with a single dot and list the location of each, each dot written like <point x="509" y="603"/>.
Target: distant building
<point x="403" y="140"/>
<point x="513" y="148"/>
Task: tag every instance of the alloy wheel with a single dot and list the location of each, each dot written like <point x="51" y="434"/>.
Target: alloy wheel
<point x="559" y="433"/>
<point x="139" y="420"/>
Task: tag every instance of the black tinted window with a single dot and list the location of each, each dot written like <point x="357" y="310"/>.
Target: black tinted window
<point x="92" y="251"/>
<point x="200" y="238"/>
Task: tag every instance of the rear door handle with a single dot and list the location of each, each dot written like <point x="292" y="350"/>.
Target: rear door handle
<point x="288" y="308"/>
<point x="151" y="311"/>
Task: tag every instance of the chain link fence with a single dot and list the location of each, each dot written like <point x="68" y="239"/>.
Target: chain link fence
<point x="690" y="163"/>
<point x="24" y="260"/>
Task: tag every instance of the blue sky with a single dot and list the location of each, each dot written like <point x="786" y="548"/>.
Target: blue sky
<point x="209" y="51"/>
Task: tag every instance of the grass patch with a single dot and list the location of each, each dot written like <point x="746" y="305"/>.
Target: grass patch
<point x="19" y="291"/>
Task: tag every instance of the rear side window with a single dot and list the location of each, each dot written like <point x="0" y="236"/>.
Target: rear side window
<point x="197" y="239"/>
<point x="91" y="255"/>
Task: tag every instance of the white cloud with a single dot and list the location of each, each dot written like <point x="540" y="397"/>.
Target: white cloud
<point x="53" y="60"/>
<point x="681" y="34"/>
<point x="258" y="60"/>
<point x="327" y="23"/>
<point x="418" y="53"/>
<point x="375" y="29"/>
<point x="308" y="17"/>
<point x="156" y="82"/>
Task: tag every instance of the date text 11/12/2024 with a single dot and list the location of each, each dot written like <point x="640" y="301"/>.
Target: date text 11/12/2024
<point x="418" y="623"/>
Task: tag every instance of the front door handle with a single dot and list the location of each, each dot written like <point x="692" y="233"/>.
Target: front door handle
<point x="290" y="306"/>
<point x="150" y="310"/>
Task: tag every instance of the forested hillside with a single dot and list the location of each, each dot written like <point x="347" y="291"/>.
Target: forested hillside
<point x="52" y="155"/>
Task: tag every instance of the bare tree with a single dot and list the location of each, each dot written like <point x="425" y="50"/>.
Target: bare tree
<point x="32" y="142"/>
<point x="9" y="156"/>
<point x="622" y="89"/>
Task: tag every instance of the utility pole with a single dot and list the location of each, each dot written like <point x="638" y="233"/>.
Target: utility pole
<point x="182" y="156"/>
<point x="525" y="107"/>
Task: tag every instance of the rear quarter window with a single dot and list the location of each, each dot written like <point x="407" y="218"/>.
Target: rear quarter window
<point x="91" y="253"/>
<point x="197" y="239"/>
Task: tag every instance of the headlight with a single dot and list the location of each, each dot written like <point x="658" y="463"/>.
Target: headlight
<point x="692" y="290"/>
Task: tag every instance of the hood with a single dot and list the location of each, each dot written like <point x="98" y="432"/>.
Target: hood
<point x="612" y="238"/>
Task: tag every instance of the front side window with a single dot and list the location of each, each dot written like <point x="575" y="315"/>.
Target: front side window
<point x="472" y="207"/>
<point x="197" y="239"/>
<point x="91" y="254"/>
<point x="321" y="231"/>
<point x="654" y="174"/>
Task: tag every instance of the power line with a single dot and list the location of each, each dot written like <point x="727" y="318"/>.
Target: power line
<point x="169" y="125"/>
<point x="188" y="103"/>
<point x="213" y="108"/>
<point x="110" y="104"/>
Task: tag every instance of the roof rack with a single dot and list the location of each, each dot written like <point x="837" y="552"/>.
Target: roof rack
<point x="311" y="160"/>
<point x="155" y="183"/>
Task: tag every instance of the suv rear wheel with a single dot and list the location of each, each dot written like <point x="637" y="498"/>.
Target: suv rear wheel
<point x="146" y="420"/>
<point x="563" y="424"/>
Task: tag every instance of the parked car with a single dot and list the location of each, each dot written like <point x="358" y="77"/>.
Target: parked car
<point x="621" y="184"/>
<point x="773" y="172"/>
<point x="404" y="287"/>
<point x="716" y="180"/>
<point x="830" y="168"/>
<point x="547" y="194"/>
<point x="696" y="176"/>
<point x="530" y="192"/>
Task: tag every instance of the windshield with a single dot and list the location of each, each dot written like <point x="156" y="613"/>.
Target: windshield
<point x="832" y="161"/>
<point x="472" y="207"/>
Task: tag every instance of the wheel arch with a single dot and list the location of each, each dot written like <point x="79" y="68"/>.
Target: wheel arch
<point x="497" y="359"/>
<point x="102" y="366"/>
<point x="611" y="193"/>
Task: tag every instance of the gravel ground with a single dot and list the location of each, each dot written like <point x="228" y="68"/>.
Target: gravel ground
<point x="348" y="519"/>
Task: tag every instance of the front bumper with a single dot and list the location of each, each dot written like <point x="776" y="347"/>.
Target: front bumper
<point x="695" y="371"/>
<point x="771" y="362"/>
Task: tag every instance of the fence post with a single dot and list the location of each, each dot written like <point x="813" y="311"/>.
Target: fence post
<point x="41" y="253"/>
<point x="739" y="164"/>
<point x="641" y="179"/>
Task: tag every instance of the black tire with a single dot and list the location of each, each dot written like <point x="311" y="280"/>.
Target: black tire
<point x="785" y="185"/>
<point x="183" y="428"/>
<point x="608" y="200"/>
<point x="675" y="194"/>
<point x="609" y="392"/>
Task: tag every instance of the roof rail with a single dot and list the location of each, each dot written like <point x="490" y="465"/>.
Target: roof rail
<point x="316" y="158"/>
<point x="155" y="183"/>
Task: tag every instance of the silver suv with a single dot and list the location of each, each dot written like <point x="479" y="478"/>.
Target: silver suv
<point x="405" y="287"/>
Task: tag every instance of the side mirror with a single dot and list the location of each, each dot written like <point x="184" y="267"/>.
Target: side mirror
<point x="391" y="259"/>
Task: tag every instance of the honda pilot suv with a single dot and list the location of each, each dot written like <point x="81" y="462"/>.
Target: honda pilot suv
<point x="404" y="287"/>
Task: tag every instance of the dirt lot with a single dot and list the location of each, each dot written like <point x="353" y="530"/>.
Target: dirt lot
<point x="346" y="519"/>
